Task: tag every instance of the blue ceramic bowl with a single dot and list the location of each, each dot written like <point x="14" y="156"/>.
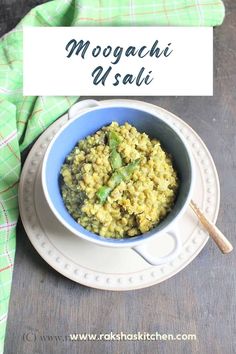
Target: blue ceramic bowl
<point x="87" y="122"/>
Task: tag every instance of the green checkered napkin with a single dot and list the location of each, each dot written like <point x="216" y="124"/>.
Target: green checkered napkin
<point x="22" y="119"/>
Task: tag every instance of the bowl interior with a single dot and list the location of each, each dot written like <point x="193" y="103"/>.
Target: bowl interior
<point x="88" y="124"/>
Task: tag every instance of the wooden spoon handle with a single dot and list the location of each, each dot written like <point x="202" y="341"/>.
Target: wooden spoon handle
<point x="224" y="245"/>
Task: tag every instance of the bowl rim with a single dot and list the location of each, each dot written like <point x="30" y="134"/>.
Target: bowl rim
<point x="111" y="242"/>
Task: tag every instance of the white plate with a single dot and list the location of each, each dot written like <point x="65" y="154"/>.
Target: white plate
<point x="103" y="267"/>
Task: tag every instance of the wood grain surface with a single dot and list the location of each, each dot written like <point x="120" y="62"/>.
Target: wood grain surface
<point x="198" y="300"/>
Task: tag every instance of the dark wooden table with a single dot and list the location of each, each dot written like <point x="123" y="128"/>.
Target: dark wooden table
<point x="200" y="299"/>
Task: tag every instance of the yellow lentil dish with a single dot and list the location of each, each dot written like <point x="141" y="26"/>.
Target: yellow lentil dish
<point x="118" y="182"/>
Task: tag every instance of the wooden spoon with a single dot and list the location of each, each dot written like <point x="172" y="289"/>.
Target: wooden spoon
<point x="224" y="245"/>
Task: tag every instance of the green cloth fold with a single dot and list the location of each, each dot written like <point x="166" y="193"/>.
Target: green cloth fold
<point x="22" y="119"/>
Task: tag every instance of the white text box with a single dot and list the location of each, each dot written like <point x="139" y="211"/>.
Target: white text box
<point x="121" y="61"/>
